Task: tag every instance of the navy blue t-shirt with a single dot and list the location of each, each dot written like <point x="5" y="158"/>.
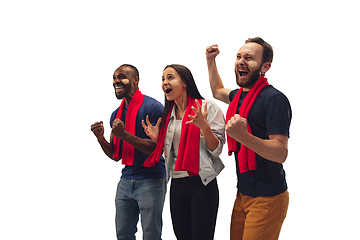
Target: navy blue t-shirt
<point x="154" y="110"/>
<point x="270" y="114"/>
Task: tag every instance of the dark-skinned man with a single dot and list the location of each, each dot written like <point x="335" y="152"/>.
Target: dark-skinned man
<point x="141" y="190"/>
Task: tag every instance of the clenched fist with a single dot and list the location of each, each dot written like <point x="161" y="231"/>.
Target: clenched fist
<point x="118" y="129"/>
<point x="212" y="51"/>
<point x="98" y="129"/>
<point x="236" y="127"/>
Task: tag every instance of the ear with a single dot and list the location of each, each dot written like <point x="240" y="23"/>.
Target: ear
<point x="265" y="67"/>
<point x="136" y="80"/>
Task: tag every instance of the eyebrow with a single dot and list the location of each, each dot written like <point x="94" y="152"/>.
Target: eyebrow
<point x="119" y="75"/>
<point x="169" y="74"/>
<point x="245" y="54"/>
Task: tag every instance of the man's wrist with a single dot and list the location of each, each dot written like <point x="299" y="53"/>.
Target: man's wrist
<point x="101" y="138"/>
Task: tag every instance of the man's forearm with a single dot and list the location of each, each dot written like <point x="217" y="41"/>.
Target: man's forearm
<point x="146" y="146"/>
<point x="216" y="84"/>
<point x="107" y="148"/>
<point x="274" y="149"/>
<point x="214" y="77"/>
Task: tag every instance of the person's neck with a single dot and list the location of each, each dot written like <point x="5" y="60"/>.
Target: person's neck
<point x="247" y="89"/>
<point x="181" y="104"/>
<point x="128" y="100"/>
<point x="129" y="97"/>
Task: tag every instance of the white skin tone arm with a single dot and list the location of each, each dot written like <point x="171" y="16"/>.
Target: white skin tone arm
<point x="274" y="149"/>
<point x="199" y="120"/>
<point x="217" y="87"/>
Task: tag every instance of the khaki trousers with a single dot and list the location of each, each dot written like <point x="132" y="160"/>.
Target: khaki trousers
<point x="258" y="218"/>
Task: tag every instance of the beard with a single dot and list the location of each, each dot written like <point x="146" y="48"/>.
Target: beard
<point x="254" y="76"/>
<point x="120" y="96"/>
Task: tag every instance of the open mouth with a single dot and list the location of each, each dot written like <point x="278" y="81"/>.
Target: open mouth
<point x="118" y="88"/>
<point x="167" y="90"/>
<point x="243" y="73"/>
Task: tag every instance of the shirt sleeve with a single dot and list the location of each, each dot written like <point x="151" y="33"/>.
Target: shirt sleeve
<point x="278" y="115"/>
<point x="216" y="120"/>
<point x="232" y="94"/>
<point x="113" y="116"/>
<point x="155" y="111"/>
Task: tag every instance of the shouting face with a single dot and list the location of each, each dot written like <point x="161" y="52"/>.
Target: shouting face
<point x="172" y="84"/>
<point x="249" y="66"/>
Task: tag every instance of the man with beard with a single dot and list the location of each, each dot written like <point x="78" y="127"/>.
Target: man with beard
<point x="257" y="123"/>
<point x="141" y="190"/>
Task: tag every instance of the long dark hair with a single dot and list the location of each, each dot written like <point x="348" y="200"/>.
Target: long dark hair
<point x="191" y="88"/>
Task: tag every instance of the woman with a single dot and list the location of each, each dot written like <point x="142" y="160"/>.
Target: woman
<point x="191" y="135"/>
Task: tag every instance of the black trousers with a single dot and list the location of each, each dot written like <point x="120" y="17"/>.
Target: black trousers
<point x="193" y="208"/>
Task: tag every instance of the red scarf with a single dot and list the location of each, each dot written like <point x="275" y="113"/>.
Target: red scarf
<point x="246" y="157"/>
<point x="188" y="158"/>
<point x="128" y="151"/>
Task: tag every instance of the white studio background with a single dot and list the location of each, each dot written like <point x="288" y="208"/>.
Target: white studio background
<point x="57" y="60"/>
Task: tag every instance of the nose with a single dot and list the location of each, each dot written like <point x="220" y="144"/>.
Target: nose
<point x="240" y="62"/>
<point x="117" y="81"/>
<point x="164" y="82"/>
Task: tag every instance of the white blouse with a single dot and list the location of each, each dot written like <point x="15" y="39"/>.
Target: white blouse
<point x="175" y="147"/>
<point x="210" y="162"/>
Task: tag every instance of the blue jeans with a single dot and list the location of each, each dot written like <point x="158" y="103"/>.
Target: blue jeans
<point x="145" y="197"/>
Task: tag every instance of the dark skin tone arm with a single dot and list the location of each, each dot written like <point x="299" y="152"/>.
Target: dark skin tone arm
<point x="98" y="130"/>
<point x="146" y="146"/>
<point x="126" y="77"/>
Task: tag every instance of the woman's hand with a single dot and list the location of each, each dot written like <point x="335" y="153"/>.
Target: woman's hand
<point x="200" y="118"/>
<point x="150" y="130"/>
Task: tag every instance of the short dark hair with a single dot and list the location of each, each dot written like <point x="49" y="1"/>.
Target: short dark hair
<point x="136" y="72"/>
<point x="267" y="49"/>
<point x="191" y="88"/>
